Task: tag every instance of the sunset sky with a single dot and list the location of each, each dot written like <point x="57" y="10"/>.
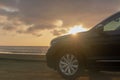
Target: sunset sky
<point x="37" y="22"/>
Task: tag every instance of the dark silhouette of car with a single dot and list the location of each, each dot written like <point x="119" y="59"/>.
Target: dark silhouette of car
<point x="95" y="50"/>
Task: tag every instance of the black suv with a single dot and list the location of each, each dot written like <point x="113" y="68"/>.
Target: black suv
<point x="95" y="50"/>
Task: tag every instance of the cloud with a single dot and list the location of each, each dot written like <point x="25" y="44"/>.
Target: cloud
<point x="34" y="16"/>
<point x="11" y="24"/>
<point x="35" y="30"/>
<point x="57" y="32"/>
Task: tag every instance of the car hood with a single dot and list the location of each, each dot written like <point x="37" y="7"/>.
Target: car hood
<point x="55" y="40"/>
<point x="70" y="36"/>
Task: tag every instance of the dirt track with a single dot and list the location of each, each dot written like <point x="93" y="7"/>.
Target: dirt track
<point x="26" y="70"/>
<point x="12" y="69"/>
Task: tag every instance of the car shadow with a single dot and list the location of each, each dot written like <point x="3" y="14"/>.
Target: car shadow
<point x="99" y="76"/>
<point x="104" y="76"/>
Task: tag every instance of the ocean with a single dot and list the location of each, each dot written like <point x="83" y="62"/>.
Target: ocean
<point x="28" y="50"/>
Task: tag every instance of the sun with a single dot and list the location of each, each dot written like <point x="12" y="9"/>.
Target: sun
<point x="76" y="29"/>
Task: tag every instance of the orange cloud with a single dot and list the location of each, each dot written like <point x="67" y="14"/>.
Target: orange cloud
<point x="56" y="15"/>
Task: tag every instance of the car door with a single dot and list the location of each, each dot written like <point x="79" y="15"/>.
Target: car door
<point x="111" y="42"/>
<point x="106" y="43"/>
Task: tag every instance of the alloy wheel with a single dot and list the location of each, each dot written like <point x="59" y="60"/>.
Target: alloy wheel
<point x="68" y="64"/>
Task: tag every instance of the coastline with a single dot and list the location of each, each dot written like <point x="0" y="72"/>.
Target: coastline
<point x="23" y="57"/>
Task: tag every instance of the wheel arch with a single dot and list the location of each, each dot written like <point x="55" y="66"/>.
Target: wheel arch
<point x="77" y="50"/>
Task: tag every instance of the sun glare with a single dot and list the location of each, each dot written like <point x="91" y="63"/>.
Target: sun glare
<point x="76" y="29"/>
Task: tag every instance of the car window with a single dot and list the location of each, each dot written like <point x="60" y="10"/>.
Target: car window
<point x="112" y="25"/>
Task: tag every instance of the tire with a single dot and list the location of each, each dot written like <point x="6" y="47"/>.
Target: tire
<point x="69" y="66"/>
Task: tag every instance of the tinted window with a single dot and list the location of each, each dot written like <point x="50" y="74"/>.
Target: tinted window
<point x="112" y="25"/>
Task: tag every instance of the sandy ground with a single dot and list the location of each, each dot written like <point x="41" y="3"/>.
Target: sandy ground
<point x="28" y="69"/>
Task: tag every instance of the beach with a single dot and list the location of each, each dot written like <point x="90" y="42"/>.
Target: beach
<point x="28" y="67"/>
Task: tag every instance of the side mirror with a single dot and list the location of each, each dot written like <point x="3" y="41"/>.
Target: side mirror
<point x="117" y="20"/>
<point x="99" y="29"/>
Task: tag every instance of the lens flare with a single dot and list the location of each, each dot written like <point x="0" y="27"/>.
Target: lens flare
<point x="76" y="29"/>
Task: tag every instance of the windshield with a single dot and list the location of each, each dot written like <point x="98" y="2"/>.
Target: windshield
<point x="107" y="20"/>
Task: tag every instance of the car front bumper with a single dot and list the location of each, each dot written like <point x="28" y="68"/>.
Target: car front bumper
<point x="50" y="57"/>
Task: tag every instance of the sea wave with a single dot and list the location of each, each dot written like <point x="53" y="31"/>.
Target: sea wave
<point x="29" y="50"/>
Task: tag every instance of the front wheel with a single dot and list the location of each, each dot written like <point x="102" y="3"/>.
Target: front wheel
<point x="69" y="66"/>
